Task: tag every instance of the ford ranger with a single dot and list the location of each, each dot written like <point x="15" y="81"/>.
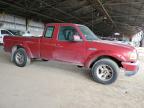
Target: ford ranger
<point x="78" y="45"/>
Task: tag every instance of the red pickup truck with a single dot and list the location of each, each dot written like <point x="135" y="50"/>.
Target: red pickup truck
<point x="75" y="44"/>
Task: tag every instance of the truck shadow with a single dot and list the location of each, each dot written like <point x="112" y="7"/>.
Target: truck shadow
<point x="63" y="67"/>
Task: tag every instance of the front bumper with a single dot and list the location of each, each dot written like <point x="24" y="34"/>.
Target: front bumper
<point x="130" y="68"/>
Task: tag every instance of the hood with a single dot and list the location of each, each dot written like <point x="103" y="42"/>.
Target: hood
<point x="114" y="44"/>
<point x="114" y="49"/>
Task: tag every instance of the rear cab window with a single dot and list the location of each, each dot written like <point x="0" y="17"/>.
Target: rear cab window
<point x="49" y="32"/>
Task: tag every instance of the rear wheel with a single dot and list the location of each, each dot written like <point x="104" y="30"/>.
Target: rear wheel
<point x="105" y="71"/>
<point x="20" y="57"/>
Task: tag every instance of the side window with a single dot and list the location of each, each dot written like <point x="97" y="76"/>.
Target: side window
<point x="66" y="32"/>
<point x="49" y="32"/>
<point x="5" y="32"/>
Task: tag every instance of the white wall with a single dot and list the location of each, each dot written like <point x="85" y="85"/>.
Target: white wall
<point x="14" y="22"/>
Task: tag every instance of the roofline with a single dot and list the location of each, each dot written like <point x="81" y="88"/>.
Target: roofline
<point x="65" y="23"/>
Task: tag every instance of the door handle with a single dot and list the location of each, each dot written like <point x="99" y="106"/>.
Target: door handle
<point x="58" y="45"/>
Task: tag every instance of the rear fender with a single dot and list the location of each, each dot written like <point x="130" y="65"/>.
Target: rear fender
<point x="21" y="46"/>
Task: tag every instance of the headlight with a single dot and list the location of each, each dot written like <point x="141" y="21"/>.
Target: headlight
<point x="133" y="55"/>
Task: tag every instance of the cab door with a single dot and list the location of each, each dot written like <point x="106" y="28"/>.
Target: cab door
<point x="67" y="50"/>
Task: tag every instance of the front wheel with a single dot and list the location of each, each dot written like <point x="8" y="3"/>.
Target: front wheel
<point x="20" y="57"/>
<point x="105" y="71"/>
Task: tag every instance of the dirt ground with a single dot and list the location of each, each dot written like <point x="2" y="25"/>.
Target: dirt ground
<point x="59" y="85"/>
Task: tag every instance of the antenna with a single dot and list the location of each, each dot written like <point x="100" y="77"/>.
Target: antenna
<point x="92" y="18"/>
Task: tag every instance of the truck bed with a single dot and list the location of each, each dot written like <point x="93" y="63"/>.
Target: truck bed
<point x="30" y="43"/>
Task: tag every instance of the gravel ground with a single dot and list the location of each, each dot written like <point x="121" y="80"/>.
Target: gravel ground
<point x="60" y="85"/>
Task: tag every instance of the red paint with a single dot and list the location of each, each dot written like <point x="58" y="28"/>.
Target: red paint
<point x="80" y="53"/>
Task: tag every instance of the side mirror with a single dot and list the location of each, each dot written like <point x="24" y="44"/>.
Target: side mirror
<point x="76" y="38"/>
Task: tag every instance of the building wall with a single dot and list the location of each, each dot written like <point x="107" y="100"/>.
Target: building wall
<point x="136" y="39"/>
<point x="15" y="22"/>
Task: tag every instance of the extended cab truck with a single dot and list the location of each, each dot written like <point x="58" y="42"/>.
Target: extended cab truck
<point x="76" y="44"/>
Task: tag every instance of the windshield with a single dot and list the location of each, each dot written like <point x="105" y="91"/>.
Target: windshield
<point x="88" y="33"/>
<point x="16" y="32"/>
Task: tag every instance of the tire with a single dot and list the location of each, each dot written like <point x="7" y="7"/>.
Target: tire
<point x="20" y="58"/>
<point x="105" y="71"/>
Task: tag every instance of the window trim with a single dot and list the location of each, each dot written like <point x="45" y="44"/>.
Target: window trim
<point x="52" y="31"/>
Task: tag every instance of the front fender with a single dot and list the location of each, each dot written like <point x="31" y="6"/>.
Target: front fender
<point x="102" y="53"/>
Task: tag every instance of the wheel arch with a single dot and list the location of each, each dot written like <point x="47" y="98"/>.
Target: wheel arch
<point x="118" y="62"/>
<point x="14" y="48"/>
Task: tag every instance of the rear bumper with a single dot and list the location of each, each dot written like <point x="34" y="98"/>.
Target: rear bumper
<point x="130" y="68"/>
